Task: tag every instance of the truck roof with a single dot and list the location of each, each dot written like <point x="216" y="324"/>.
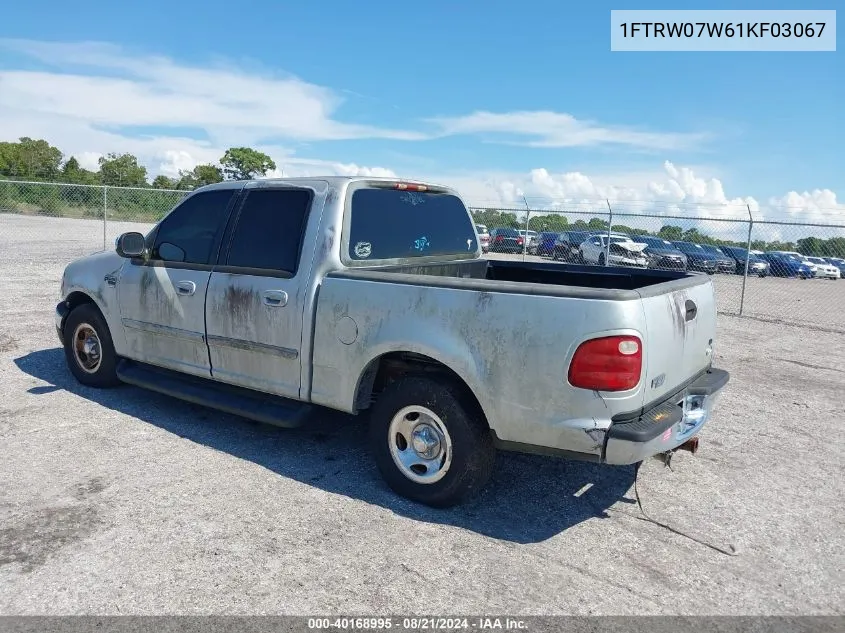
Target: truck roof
<point x="332" y="180"/>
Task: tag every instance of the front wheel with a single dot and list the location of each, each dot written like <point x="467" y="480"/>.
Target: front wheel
<point x="89" y="350"/>
<point x="430" y="441"/>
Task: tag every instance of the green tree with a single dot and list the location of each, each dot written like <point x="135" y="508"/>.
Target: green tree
<point x="692" y="235"/>
<point x="163" y="182"/>
<point x="30" y="159"/>
<point x="73" y="173"/>
<point x="670" y="232"/>
<point x="550" y="222"/>
<point x="811" y="246"/>
<point x="122" y="170"/>
<point x="199" y="176"/>
<point x="245" y="163"/>
<point x="597" y="224"/>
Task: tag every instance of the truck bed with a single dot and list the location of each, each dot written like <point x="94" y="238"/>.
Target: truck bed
<point x="546" y="278"/>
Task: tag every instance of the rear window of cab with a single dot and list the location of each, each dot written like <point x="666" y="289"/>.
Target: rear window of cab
<point x="396" y="224"/>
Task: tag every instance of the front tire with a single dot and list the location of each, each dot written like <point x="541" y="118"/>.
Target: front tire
<point x="430" y="442"/>
<point x="89" y="350"/>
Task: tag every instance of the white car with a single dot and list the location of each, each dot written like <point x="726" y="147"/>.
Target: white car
<point x="483" y="237"/>
<point x="823" y="268"/>
<point x="623" y="251"/>
<point x="531" y="238"/>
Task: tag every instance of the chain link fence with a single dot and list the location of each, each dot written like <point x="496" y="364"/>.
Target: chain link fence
<point x="99" y="213"/>
<point x="783" y="271"/>
<point x="777" y="270"/>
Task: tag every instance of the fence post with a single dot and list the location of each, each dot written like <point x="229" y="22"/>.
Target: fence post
<point x="747" y="259"/>
<point x="527" y="218"/>
<point x="609" y="230"/>
<point x="105" y="215"/>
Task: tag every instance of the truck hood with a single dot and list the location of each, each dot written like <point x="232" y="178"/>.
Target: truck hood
<point x="88" y="272"/>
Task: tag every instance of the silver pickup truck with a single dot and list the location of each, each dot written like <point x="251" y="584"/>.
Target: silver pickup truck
<point x="270" y="298"/>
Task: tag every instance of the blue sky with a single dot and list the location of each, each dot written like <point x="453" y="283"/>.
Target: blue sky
<point x="763" y="124"/>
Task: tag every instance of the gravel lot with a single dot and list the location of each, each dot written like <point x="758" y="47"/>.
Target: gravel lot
<point x="127" y="502"/>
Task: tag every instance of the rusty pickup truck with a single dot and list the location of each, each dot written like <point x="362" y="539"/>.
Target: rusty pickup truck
<point x="272" y="298"/>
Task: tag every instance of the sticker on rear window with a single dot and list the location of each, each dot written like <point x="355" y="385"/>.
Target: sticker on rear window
<point x="363" y="250"/>
<point x="469" y="245"/>
<point x="413" y="198"/>
<point x="421" y="244"/>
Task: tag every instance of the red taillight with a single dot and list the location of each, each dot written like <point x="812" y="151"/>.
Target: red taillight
<point x="611" y="363"/>
<point x="499" y="238"/>
<point x="519" y="240"/>
<point x="409" y="187"/>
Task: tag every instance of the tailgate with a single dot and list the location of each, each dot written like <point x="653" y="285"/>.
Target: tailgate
<point x="681" y="327"/>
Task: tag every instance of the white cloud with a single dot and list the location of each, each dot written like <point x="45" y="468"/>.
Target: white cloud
<point x="176" y="161"/>
<point x="94" y="98"/>
<point x="555" y="129"/>
<point x="89" y="160"/>
<point x="674" y="195"/>
<point x="103" y="98"/>
<point x="91" y="97"/>
<point x="155" y="91"/>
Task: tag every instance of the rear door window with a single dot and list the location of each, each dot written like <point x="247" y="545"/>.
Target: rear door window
<point x="394" y="224"/>
<point x="268" y="235"/>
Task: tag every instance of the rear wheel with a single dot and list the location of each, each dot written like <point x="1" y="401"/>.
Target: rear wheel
<point x="601" y="259"/>
<point x="89" y="350"/>
<point x="430" y="441"/>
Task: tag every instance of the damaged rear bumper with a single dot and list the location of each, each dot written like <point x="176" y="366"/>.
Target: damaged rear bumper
<point x="665" y="426"/>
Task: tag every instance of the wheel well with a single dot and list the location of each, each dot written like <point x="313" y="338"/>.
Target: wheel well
<point x="387" y="368"/>
<point x="76" y="299"/>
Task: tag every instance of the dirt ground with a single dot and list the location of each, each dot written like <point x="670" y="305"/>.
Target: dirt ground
<point x="127" y="502"/>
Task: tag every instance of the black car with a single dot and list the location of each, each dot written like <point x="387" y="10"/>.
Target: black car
<point x="567" y="243"/>
<point x="724" y="263"/>
<point x="505" y="240"/>
<point x="756" y="265"/>
<point x="697" y="258"/>
<point x="662" y="253"/>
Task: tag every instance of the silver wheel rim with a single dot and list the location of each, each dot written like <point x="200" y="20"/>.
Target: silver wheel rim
<point x="87" y="349"/>
<point x="420" y="445"/>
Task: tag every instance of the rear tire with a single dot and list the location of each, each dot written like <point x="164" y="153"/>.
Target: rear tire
<point x="601" y="259"/>
<point x="430" y="442"/>
<point x="89" y="350"/>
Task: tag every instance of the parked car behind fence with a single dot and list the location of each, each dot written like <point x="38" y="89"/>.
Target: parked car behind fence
<point x="781" y="265"/>
<point x="662" y="253"/>
<point x="756" y="265"/>
<point x="824" y="269"/>
<point x="724" y="264"/>
<point x="545" y="243"/>
<point x="697" y="258"/>
<point x="483" y="237"/>
<point x="839" y="263"/>
<point x="506" y="240"/>
<point x="567" y="245"/>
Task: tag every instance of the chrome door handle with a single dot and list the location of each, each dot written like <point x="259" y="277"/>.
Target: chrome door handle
<point x="275" y="298"/>
<point x="186" y="288"/>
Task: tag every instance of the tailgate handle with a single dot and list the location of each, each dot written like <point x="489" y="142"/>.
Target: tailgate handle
<point x="691" y="310"/>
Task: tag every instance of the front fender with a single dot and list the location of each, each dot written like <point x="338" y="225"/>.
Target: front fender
<point x="95" y="278"/>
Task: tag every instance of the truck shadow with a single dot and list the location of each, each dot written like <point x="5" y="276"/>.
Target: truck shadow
<point x="531" y="498"/>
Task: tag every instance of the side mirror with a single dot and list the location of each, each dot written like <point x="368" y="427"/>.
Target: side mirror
<point x="131" y="245"/>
